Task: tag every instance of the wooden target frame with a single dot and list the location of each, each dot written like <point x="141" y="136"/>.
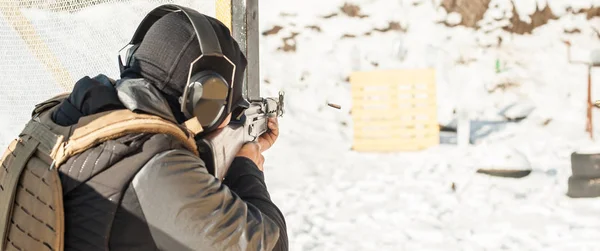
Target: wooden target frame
<point x="394" y="110"/>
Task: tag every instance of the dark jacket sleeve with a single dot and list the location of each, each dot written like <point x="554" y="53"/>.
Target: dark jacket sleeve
<point x="247" y="181"/>
<point x="187" y="208"/>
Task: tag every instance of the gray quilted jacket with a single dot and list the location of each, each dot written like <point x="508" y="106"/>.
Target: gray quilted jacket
<point x="146" y="192"/>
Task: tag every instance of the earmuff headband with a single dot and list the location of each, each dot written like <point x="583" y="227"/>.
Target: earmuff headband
<point x="207" y="38"/>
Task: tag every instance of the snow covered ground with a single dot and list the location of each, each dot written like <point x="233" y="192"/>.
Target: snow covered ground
<point x="337" y="199"/>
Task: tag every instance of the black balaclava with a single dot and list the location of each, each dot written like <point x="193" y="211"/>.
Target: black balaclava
<point x="168" y="49"/>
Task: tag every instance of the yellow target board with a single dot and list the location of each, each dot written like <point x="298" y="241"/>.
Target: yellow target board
<point x="394" y="110"/>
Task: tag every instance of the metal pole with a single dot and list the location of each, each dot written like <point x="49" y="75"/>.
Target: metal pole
<point x="245" y="31"/>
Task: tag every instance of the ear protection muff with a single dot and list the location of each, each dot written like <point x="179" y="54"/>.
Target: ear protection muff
<point x="206" y="100"/>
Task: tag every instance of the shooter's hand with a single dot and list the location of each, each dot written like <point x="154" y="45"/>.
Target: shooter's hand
<point x="252" y="151"/>
<point x="270" y="136"/>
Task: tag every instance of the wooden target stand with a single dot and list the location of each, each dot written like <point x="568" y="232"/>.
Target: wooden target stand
<point x="590" y="104"/>
<point x="589" y="128"/>
<point x="394" y="110"/>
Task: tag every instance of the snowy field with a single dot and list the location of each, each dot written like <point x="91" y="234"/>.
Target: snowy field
<point x="337" y="199"/>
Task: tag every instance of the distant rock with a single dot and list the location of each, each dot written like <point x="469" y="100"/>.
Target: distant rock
<point x="517" y="111"/>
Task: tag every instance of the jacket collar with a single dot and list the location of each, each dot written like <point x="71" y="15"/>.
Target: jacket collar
<point x="138" y="95"/>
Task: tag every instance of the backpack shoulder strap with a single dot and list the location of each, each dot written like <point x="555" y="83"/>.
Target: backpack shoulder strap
<point x="95" y="129"/>
<point x="31" y="205"/>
